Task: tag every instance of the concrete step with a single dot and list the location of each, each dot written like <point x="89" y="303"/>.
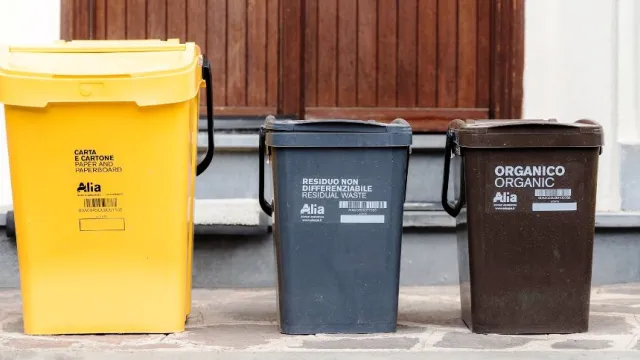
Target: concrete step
<point x="242" y="215"/>
<point x="242" y="324"/>
<point x="234" y="247"/>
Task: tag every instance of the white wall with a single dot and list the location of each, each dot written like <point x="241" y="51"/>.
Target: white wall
<point x="629" y="71"/>
<point x="23" y="21"/>
<point x="578" y="53"/>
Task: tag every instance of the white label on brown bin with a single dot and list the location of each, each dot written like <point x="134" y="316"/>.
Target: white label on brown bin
<point x="534" y="187"/>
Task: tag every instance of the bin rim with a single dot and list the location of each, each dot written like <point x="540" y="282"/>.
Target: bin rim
<point x="101" y="46"/>
<point x="39" y="87"/>
<point x="345" y="126"/>
<point x="97" y="47"/>
<point x="526" y="133"/>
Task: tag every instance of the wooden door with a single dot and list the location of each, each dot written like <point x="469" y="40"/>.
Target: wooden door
<point x="423" y="60"/>
<point x="428" y="61"/>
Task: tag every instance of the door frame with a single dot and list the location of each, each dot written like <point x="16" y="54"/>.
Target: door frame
<point x="507" y="55"/>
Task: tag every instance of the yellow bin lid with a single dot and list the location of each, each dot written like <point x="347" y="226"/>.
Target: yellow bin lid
<point x="147" y="72"/>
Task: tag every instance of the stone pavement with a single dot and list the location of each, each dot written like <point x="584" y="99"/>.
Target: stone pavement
<point x="241" y="324"/>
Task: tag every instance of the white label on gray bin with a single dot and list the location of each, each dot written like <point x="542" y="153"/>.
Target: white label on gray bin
<point x="521" y="187"/>
<point x="362" y="219"/>
<point x="347" y="200"/>
<point x="362" y="204"/>
<point x="318" y="188"/>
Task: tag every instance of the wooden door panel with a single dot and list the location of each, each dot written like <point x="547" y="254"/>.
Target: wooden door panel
<point x="256" y="59"/>
<point x="196" y="13"/>
<point x="176" y="19"/>
<point x="217" y="42"/>
<point x="407" y="53"/>
<point x="116" y="20"/>
<point x="447" y="53"/>
<point x="156" y="20"/>
<point x="136" y="12"/>
<point x="99" y="22"/>
<point x="273" y="25"/>
<point x="240" y="38"/>
<point x="483" y="51"/>
<point x="75" y="19"/>
<point x="427" y="65"/>
<point x="346" y="56"/>
<point x="467" y="53"/>
<point x="310" y="52"/>
<point x="387" y="55"/>
<point x="236" y="53"/>
<point x="420" y="57"/>
<point x="367" y="51"/>
<point x="327" y="44"/>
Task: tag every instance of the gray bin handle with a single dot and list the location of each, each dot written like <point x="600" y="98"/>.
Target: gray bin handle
<point x="266" y="206"/>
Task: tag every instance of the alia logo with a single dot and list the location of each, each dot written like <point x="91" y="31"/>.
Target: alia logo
<point x="505" y="197"/>
<point x="88" y="187"/>
<point x="312" y="209"/>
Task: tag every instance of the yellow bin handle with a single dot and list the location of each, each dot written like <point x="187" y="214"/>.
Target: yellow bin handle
<point x="206" y="75"/>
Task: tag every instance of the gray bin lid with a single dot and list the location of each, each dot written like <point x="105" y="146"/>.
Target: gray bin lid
<point x="526" y="133"/>
<point x="337" y="133"/>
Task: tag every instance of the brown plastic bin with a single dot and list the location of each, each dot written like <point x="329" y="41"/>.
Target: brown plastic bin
<point x="525" y="222"/>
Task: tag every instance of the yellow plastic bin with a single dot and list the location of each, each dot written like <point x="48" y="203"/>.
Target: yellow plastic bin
<point x="102" y="139"/>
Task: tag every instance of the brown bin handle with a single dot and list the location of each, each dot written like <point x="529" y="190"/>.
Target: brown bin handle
<point x="452" y="209"/>
<point x="206" y="74"/>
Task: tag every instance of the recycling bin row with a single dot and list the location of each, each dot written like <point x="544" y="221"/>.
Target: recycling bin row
<point x="102" y="139"/>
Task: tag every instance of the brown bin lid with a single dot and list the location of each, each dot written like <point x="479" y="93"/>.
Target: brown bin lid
<point x="526" y="133"/>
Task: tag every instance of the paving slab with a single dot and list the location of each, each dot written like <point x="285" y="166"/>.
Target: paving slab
<point x="242" y="324"/>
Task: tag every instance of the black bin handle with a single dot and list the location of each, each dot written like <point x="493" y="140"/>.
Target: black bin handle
<point x="454" y="208"/>
<point x="266" y="206"/>
<point x="206" y="74"/>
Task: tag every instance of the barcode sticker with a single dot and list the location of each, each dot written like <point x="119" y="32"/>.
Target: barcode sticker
<point x="553" y="192"/>
<point x="100" y="202"/>
<point x="362" y="205"/>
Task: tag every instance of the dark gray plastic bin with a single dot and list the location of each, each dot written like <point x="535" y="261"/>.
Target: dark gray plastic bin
<point x="339" y="190"/>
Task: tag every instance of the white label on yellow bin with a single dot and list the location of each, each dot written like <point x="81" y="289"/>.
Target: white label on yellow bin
<point x="98" y="224"/>
<point x="100" y="207"/>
